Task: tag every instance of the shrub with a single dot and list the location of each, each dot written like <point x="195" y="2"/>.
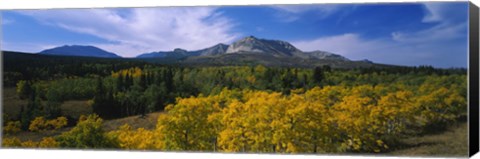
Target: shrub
<point x="11" y="142"/>
<point x="88" y="133"/>
<point x="12" y="127"/>
<point x="48" y="142"/>
<point x="40" y="124"/>
<point x="29" y="144"/>
<point x="57" y="123"/>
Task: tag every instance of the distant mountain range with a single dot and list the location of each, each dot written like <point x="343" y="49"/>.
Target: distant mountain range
<point x="248" y="50"/>
<point x="248" y="45"/>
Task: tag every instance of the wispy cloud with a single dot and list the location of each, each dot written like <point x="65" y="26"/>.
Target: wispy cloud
<point x="449" y="19"/>
<point x="446" y="12"/>
<point x="437" y="33"/>
<point x="134" y="31"/>
<point x="385" y="50"/>
<point x="290" y="13"/>
<point x="444" y="44"/>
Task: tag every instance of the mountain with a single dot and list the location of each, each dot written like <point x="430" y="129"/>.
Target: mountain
<point x="153" y="55"/>
<point x="251" y="44"/>
<point x="277" y="48"/>
<point x="176" y="54"/>
<point x="212" y="51"/>
<point x="77" y="50"/>
<point x="326" y="55"/>
<point x="181" y="53"/>
<point x="251" y="50"/>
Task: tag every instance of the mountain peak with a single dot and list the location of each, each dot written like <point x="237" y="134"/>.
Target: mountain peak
<point x="251" y="44"/>
<point x="179" y="50"/>
<point x="366" y="60"/>
<point x="220" y="44"/>
<point x="218" y="49"/>
<point x="249" y="38"/>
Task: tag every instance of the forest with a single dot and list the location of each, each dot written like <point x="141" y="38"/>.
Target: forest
<point x="238" y="108"/>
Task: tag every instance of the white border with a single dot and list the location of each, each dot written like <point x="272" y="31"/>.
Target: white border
<point x="47" y="4"/>
<point x="80" y="154"/>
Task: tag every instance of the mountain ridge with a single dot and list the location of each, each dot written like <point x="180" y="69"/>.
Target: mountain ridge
<point x="79" y="50"/>
<point x="247" y="50"/>
<point x="249" y="44"/>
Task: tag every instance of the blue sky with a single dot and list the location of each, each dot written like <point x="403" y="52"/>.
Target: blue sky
<point x="432" y="33"/>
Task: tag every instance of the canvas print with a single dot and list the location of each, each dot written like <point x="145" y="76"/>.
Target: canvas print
<point x="372" y="78"/>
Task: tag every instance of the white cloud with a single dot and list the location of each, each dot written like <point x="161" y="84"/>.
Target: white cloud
<point x="444" y="12"/>
<point x="290" y="13"/>
<point x="437" y="33"/>
<point x="450" y="23"/>
<point x="433" y="12"/>
<point x="354" y="47"/>
<point x="324" y="8"/>
<point x="134" y="31"/>
<point x="444" y="44"/>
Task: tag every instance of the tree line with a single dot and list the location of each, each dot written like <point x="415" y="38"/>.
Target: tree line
<point x="138" y="90"/>
<point x="327" y="119"/>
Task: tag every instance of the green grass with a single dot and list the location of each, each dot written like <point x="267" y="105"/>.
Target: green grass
<point x="11" y="104"/>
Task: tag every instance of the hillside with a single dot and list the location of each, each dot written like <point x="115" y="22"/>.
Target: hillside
<point x="252" y="59"/>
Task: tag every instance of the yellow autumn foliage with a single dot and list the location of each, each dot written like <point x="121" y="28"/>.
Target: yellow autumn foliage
<point x="12" y="127"/>
<point x="140" y="139"/>
<point x="46" y="142"/>
<point x="11" y="142"/>
<point x="134" y="72"/>
<point x="41" y="124"/>
<point x="329" y="119"/>
<point x="361" y="118"/>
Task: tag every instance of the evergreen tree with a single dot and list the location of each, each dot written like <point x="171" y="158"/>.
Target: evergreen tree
<point x="34" y="109"/>
<point x="128" y="81"/>
<point x="143" y="82"/>
<point x="318" y="75"/>
<point x="24" y="89"/>
<point x="168" y="78"/>
<point x="120" y="83"/>
<point x="103" y="102"/>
